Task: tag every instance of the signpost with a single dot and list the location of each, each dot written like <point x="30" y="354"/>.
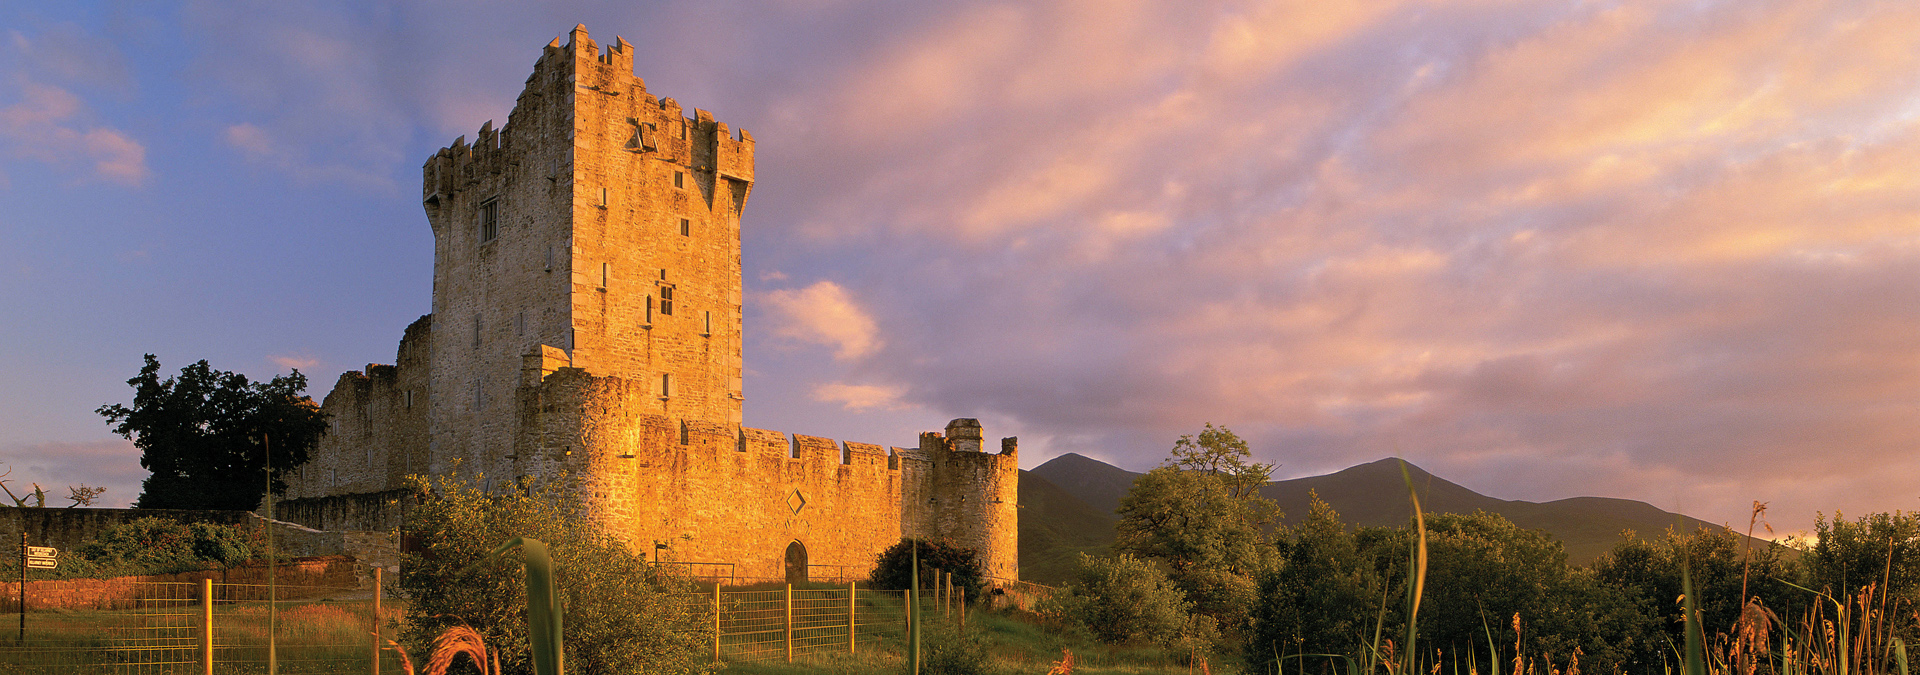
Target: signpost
<point x="32" y="557"/>
<point x="42" y="557"/>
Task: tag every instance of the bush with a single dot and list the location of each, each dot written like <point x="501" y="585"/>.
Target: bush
<point x="948" y="650"/>
<point x="151" y="546"/>
<point x="1124" y="599"/>
<point x="891" y="570"/>
<point x="618" y="613"/>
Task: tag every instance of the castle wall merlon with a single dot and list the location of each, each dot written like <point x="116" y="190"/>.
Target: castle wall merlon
<point x="867" y="450"/>
<point x="816" y="451"/>
<point x="580" y="45"/>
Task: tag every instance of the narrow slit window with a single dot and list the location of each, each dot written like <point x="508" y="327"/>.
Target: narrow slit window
<point x="603" y="198"/>
<point x="649" y="309"/>
<point x="606" y="273"/>
<point x="520" y="323"/>
<point x="476" y="330"/>
<point x="679" y="179"/>
<point x="549" y="259"/>
<point x="489" y="219"/>
<point x="706" y="323"/>
<point x="409" y="398"/>
<point x="686" y="227"/>
<point x="666" y="385"/>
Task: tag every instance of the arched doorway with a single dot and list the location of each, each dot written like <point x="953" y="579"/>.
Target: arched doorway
<point x="796" y="563"/>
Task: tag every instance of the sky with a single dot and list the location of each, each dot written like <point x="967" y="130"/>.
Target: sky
<point x="1656" y="250"/>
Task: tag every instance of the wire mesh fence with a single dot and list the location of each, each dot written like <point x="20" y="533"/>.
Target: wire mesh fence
<point x="787" y="623"/>
<point x="166" y="628"/>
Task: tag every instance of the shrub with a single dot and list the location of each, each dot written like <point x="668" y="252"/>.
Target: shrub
<point x="948" y="650"/>
<point x="618" y="613"/>
<point x="151" y="546"/>
<point x="1125" y="599"/>
<point x="890" y="571"/>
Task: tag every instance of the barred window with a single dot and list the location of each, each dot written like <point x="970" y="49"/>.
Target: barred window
<point x="489" y="220"/>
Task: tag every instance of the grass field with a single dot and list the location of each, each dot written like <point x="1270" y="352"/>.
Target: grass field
<point x="313" y="637"/>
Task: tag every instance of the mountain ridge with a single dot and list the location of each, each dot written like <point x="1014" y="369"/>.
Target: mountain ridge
<point x="1369" y="494"/>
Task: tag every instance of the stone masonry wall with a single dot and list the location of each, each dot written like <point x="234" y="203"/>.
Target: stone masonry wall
<point x="656" y="239"/>
<point x="300" y="579"/>
<point x="377" y="426"/>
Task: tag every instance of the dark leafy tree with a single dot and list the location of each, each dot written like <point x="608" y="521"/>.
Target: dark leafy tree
<point x="1323" y="598"/>
<point x="1202" y="517"/>
<point x="203" y="434"/>
<point x="1720" y="567"/>
<point x="1335" y="587"/>
<point x="1880" y="551"/>
<point x="891" y="571"/>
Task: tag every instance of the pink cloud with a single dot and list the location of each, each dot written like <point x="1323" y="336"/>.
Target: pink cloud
<point x="45" y="126"/>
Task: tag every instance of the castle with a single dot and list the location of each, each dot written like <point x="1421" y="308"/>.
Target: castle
<point x="586" y="323"/>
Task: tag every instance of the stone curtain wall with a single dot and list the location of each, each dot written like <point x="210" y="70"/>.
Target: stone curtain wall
<point x="376" y="435"/>
<point x="725" y="495"/>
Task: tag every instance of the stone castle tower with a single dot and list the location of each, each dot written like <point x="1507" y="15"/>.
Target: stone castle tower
<point x="587" y="324"/>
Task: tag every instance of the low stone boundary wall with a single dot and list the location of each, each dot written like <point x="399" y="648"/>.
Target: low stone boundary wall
<point x="302" y="578"/>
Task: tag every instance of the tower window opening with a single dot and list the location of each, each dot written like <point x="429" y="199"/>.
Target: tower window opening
<point x="549" y="267"/>
<point x="603" y="198"/>
<point x="606" y="273"/>
<point x="679" y="179"/>
<point x="666" y="385"/>
<point x="476" y="330"/>
<point x="409" y="398"/>
<point x="666" y="300"/>
<point x="706" y="323"/>
<point x="489" y="219"/>
<point x="520" y="323"/>
<point x="686" y="227"/>
<point x="649" y="309"/>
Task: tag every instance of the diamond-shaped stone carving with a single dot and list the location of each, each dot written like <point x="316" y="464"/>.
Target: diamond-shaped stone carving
<point x="796" y="501"/>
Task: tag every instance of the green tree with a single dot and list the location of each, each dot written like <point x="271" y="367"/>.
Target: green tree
<point x="619" y="614"/>
<point x="1336" y="588"/>
<point x="1201" y="515"/>
<point x="1881" y="550"/>
<point x="1720" y="567"/>
<point x="892" y="569"/>
<point x="1483" y="568"/>
<point x="1322" y="599"/>
<point x="202" y="433"/>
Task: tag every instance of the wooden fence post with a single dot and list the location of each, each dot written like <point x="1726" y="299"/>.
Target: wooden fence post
<point x="716" y="621"/>
<point x="376" y="619"/>
<point x="206" y="626"/>
<point x="850" y="623"/>
<point x="789" y="623"/>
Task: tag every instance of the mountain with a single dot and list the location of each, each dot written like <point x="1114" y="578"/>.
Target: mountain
<point x="1371" y="494"/>
<point x="1097" y="483"/>
<point x="1054" y="526"/>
